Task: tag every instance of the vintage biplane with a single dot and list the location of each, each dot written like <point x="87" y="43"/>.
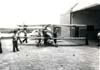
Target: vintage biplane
<point x="33" y="29"/>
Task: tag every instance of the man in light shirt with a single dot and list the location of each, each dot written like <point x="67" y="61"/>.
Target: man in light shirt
<point x="18" y="37"/>
<point x="15" y="44"/>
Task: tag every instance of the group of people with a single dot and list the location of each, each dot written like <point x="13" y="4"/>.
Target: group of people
<point x="46" y="38"/>
<point x="16" y="38"/>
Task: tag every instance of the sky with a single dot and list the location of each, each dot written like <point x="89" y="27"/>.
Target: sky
<point x="14" y="12"/>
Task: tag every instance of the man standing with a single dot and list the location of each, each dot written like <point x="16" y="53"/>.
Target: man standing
<point x="18" y="37"/>
<point x="39" y="35"/>
<point x="15" y="44"/>
<point x="44" y="35"/>
<point x="55" y="36"/>
<point x="0" y="44"/>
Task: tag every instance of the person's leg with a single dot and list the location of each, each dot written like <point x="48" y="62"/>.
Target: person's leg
<point x="13" y="46"/>
<point x="23" y="40"/>
<point x="39" y="41"/>
<point x="17" y="47"/>
<point x="44" y="41"/>
<point x="0" y="48"/>
<point x="26" y="39"/>
<point x="19" y="39"/>
<point x="55" y="41"/>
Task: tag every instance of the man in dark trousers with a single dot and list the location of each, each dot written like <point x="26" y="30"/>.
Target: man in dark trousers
<point x="0" y="47"/>
<point x="0" y="44"/>
<point x="46" y="37"/>
<point x="39" y="40"/>
<point x="25" y="36"/>
<point x="55" y="36"/>
<point x="15" y="44"/>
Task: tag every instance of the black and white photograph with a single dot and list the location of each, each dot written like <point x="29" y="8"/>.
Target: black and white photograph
<point x="49" y="35"/>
